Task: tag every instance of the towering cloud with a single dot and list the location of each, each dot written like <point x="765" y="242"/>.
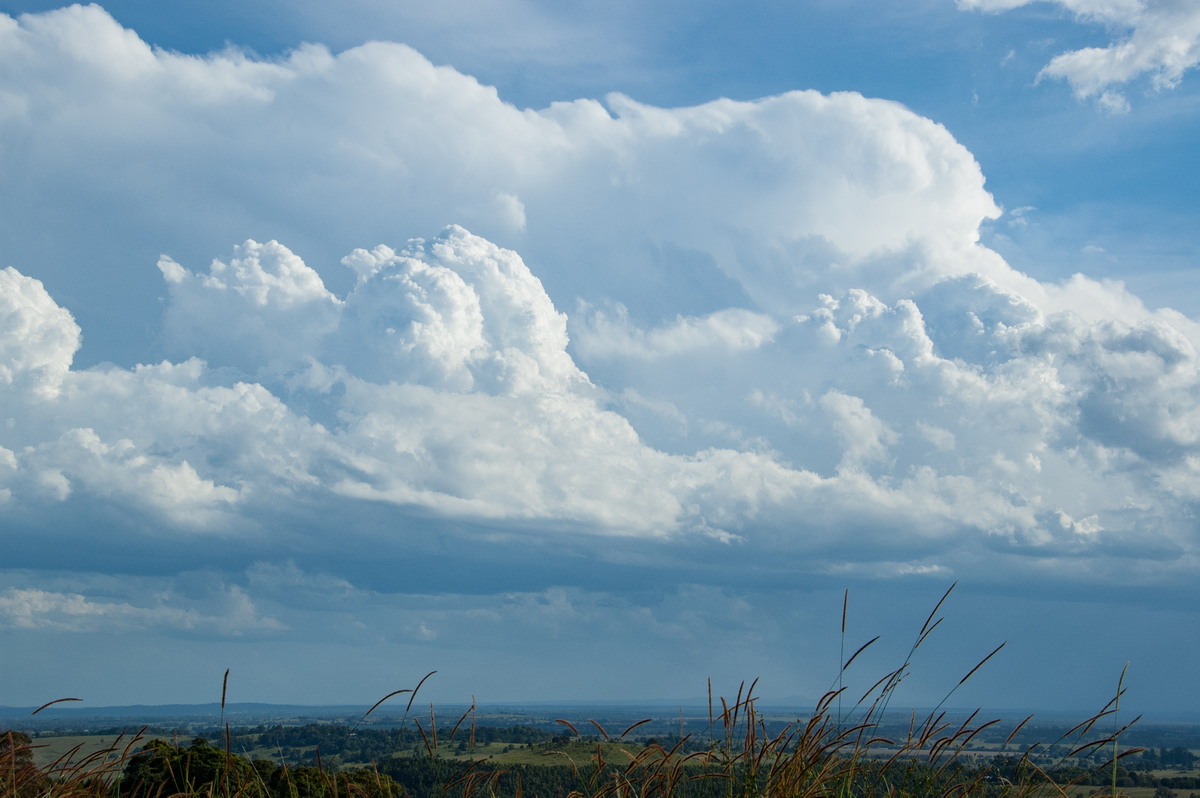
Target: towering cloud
<point x="38" y="339"/>
<point x="663" y="210"/>
<point x="443" y="381"/>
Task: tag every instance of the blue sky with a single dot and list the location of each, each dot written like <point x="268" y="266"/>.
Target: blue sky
<point x="588" y="351"/>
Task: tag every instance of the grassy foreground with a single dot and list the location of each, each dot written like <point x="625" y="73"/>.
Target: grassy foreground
<point x="830" y="753"/>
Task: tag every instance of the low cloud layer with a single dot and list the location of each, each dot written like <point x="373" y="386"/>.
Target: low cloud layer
<point x="34" y="608"/>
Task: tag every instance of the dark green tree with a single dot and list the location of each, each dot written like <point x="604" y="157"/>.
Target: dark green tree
<point x="163" y="768"/>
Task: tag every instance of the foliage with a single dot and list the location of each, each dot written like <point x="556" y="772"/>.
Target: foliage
<point x="159" y="769"/>
<point x="200" y="768"/>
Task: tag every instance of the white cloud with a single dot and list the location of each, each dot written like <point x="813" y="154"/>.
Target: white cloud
<point x="1009" y="402"/>
<point x="803" y="355"/>
<point x="211" y="150"/>
<point x="610" y="335"/>
<point x="518" y="461"/>
<point x="119" y="468"/>
<point x="164" y="439"/>
<point x="38" y="339"/>
<point x="33" y="608"/>
<point x="1163" y="42"/>
<point x="261" y="307"/>
<point x="460" y="313"/>
<point x="865" y="439"/>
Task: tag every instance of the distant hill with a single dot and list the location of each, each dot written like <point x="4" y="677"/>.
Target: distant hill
<point x="78" y="716"/>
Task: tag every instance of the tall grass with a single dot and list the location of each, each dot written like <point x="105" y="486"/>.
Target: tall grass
<point x="71" y="775"/>
<point x="838" y="753"/>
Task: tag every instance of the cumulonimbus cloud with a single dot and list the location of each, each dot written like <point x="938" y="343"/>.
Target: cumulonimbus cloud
<point x="768" y="325"/>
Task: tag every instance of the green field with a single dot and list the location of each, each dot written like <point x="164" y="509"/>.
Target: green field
<point x="88" y="747"/>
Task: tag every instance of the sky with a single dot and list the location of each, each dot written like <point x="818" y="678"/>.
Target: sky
<point x="591" y="351"/>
